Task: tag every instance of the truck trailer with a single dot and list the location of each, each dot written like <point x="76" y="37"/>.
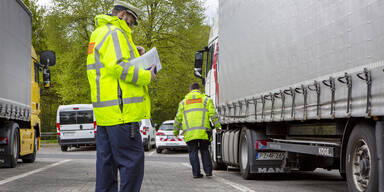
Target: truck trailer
<point x="298" y="85"/>
<point x="20" y="126"/>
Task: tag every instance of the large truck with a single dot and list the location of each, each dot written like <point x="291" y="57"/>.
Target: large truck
<point x="20" y="126"/>
<point x="298" y="85"/>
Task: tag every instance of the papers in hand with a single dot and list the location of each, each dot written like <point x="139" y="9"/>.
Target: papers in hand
<point x="147" y="60"/>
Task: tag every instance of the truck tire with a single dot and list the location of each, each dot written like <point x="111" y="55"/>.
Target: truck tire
<point x="64" y="148"/>
<point x="244" y="155"/>
<point x="215" y="164"/>
<point x="343" y="176"/>
<point x="158" y="150"/>
<point x="14" y="146"/>
<point x="361" y="159"/>
<point x="32" y="157"/>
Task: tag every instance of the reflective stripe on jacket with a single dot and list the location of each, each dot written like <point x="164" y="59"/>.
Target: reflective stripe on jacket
<point x="109" y="72"/>
<point x="194" y="115"/>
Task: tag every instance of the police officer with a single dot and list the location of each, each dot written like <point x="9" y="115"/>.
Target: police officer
<point x="120" y="99"/>
<point x="194" y="115"/>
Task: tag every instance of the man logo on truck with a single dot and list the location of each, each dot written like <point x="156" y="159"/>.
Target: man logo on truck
<point x="270" y="170"/>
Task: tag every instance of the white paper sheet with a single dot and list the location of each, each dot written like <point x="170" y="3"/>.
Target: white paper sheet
<point x="147" y="60"/>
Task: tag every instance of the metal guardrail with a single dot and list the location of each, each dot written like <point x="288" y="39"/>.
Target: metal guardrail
<point x="48" y="135"/>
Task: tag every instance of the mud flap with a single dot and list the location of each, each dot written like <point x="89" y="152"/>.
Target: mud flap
<point x="262" y="166"/>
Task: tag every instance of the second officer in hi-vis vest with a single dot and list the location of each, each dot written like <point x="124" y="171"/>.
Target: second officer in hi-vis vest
<point x="195" y="112"/>
<point x="120" y="99"/>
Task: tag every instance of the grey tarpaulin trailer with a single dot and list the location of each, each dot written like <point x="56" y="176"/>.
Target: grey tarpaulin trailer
<point x="299" y="85"/>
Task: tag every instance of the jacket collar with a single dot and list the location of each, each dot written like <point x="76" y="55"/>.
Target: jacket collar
<point x="194" y="94"/>
<point x="101" y="20"/>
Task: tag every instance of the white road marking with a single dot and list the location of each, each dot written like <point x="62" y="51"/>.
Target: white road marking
<point x="2" y="182"/>
<point x="239" y="187"/>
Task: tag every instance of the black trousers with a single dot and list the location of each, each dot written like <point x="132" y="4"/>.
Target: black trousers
<point x="118" y="151"/>
<point x="193" y="147"/>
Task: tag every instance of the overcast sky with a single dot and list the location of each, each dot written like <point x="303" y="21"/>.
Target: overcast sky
<point x="211" y="8"/>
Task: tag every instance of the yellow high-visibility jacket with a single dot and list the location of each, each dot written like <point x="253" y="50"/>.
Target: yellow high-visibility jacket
<point x="193" y="116"/>
<point x="109" y="71"/>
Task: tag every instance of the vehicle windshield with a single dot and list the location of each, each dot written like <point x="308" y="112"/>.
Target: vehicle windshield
<point x="76" y="117"/>
<point x="166" y="127"/>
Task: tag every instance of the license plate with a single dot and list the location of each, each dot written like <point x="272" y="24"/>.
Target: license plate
<point x="269" y="155"/>
<point x="171" y="144"/>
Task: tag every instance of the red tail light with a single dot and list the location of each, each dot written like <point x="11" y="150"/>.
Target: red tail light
<point x="58" y="128"/>
<point x="144" y="131"/>
<point x="4" y="140"/>
<point x="261" y="144"/>
<point x="95" y="126"/>
<point x="160" y="134"/>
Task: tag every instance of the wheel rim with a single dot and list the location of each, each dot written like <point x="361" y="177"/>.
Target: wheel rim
<point x="244" y="153"/>
<point x="361" y="165"/>
<point x="15" y="147"/>
<point x="35" y="147"/>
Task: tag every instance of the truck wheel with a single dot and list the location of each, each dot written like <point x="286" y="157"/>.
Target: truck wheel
<point x="15" y="148"/>
<point x="64" y="148"/>
<point x="244" y="155"/>
<point x="361" y="159"/>
<point x="343" y="176"/>
<point x="215" y="164"/>
<point x="31" y="158"/>
<point x="158" y="150"/>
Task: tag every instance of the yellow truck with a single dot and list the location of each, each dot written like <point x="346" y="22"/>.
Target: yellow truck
<point x="20" y="126"/>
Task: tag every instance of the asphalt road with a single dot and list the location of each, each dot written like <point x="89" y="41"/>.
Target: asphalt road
<point x="56" y="171"/>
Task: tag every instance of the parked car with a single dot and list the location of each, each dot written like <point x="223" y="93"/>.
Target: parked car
<point x="76" y="126"/>
<point x="166" y="140"/>
<point x="148" y="136"/>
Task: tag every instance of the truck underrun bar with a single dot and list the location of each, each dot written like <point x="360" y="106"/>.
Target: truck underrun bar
<point x="317" y="148"/>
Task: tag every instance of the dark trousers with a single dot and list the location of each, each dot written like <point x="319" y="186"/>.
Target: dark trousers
<point x="117" y="151"/>
<point x="193" y="147"/>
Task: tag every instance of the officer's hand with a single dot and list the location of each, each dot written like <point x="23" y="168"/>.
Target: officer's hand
<point x="153" y="75"/>
<point x="141" y="50"/>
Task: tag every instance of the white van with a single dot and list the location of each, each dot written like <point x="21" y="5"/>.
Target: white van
<point x="76" y="126"/>
<point x="148" y="136"/>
